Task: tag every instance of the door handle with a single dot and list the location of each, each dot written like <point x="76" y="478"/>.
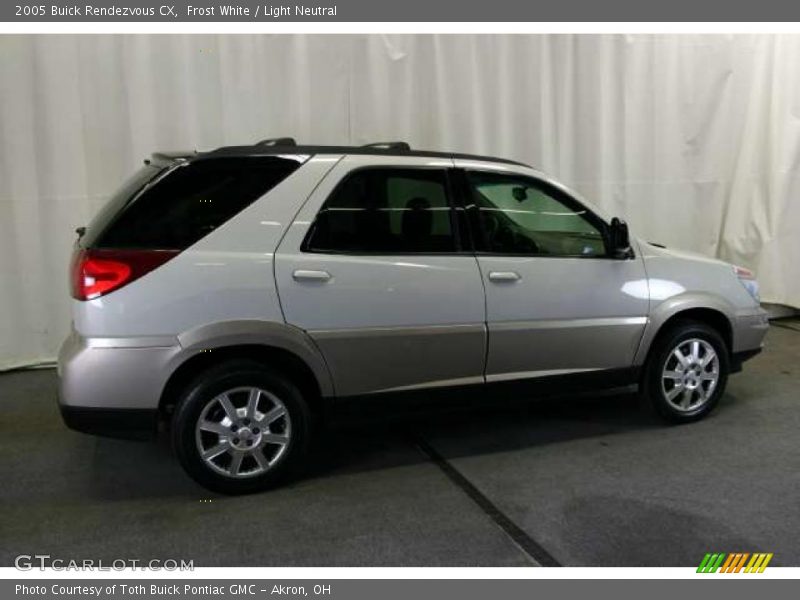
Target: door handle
<point x="504" y="276"/>
<point x="303" y="275"/>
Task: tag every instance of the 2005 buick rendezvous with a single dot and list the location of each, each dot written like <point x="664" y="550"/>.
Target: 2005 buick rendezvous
<point x="234" y="292"/>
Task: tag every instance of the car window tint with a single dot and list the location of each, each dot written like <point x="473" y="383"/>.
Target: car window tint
<point x="390" y="211"/>
<point x="192" y="201"/>
<point x="521" y="216"/>
<point x="118" y="201"/>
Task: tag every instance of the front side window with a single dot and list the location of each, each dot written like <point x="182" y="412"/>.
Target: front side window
<point x="518" y="215"/>
<point x="386" y="211"/>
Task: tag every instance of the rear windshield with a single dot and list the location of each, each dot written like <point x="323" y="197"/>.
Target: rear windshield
<point x="186" y="204"/>
<point x="117" y="202"/>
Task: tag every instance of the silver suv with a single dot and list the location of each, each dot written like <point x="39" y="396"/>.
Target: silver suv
<point x="234" y="293"/>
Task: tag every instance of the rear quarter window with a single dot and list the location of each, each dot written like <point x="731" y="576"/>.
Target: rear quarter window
<point x="189" y="202"/>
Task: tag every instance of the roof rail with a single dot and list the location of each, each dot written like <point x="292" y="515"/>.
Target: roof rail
<point x="280" y="141"/>
<point x="389" y="146"/>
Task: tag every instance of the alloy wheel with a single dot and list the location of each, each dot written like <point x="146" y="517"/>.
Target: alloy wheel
<point x="690" y="375"/>
<point x="243" y="432"/>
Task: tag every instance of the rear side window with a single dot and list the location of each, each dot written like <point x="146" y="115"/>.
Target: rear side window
<point x="386" y="211"/>
<point x="189" y="202"/>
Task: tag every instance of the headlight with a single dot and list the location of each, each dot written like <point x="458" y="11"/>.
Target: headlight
<point x="748" y="279"/>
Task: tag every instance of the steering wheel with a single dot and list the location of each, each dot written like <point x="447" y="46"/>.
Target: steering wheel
<point x="524" y="244"/>
<point x="504" y="237"/>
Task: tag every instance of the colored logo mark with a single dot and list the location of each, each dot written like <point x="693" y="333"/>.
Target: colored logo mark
<point x="735" y="562"/>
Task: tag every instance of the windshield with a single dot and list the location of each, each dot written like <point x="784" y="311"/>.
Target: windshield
<point x="118" y="201"/>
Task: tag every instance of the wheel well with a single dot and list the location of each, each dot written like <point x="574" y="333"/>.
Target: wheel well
<point x="713" y="318"/>
<point x="288" y="363"/>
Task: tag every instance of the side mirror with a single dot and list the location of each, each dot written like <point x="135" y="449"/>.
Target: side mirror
<point x="620" y="239"/>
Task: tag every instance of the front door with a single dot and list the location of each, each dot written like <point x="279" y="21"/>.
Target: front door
<point x="373" y="269"/>
<point x="557" y="302"/>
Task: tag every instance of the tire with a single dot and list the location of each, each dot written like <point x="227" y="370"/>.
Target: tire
<point x="251" y="445"/>
<point x="677" y="394"/>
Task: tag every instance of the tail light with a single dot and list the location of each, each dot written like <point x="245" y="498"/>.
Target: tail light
<point x="96" y="272"/>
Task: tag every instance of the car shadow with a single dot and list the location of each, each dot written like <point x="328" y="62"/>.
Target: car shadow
<point x="373" y="438"/>
<point x="359" y="441"/>
<point x="369" y="438"/>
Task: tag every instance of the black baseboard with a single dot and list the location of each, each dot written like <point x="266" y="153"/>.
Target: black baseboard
<point x="409" y="402"/>
<point x="125" y="423"/>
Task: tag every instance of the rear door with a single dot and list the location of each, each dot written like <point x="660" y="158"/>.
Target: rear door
<point x="557" y="302"/>
<point x="373" y="268"/>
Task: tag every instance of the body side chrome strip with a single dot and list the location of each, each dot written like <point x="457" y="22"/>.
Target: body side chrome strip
<point x="567" y="323"/>
<point x="535" y="374"/>
<point x="150" y="341"/>
<point x="476" y="380"/>
<point x="412" y="330"/>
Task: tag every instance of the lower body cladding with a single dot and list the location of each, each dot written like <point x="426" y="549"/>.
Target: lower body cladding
<point x="111" y="387"/>
<point x="401" y="359"/>
<point x="749" y="329"/>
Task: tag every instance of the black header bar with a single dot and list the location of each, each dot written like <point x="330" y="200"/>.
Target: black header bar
<point x="176" y="11"/>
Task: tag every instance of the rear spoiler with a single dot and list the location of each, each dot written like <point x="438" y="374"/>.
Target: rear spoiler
<point x="165" y="158"/>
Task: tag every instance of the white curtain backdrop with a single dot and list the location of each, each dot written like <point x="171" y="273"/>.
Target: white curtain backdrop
<point x="695" y="140"/>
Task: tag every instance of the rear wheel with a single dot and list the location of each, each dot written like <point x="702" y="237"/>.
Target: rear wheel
<point x="687" y="372"/>
<point x="240" y="428"/>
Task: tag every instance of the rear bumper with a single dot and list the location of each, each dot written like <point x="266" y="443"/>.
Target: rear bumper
<point x="131" y="423"/>
<point x="112" y="386"/>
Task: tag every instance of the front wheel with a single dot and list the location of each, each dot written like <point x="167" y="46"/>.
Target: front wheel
<point x="687" y="371"/>
<point x="240" y="428"/>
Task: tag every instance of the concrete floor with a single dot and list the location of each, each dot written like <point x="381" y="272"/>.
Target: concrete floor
<point x="587" y="481"/>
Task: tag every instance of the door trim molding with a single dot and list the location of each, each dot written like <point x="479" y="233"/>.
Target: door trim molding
<point x="520" y="375"/>
<point x="566" y="323"/>
<point x="400" y="330"/>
